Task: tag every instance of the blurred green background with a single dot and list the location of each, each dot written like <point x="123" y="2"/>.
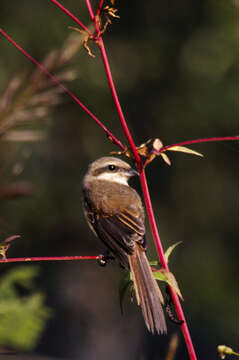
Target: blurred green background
<point x="176" y="68"/>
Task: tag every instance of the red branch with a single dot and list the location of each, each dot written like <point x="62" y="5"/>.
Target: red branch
<point x="50" y="258"/>
<point x="64" y="88"/>
<point x="91" y="12"/>
<point x="188" y="142"/>
<point x="118" y="106"/>
<point x="99" y="7"/>
<point x="112" y="88"/>
<point x="144" y="185"/>
<point x="177" y="304"/>
<point x="73" y="17"/>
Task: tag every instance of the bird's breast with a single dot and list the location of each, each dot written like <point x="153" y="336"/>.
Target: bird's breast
<point x="112" y="198"/>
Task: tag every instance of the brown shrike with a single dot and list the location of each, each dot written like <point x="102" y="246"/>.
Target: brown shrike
<point x="115" y="213"/>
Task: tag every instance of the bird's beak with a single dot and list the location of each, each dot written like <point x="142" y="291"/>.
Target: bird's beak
<point x="133" y="172"/>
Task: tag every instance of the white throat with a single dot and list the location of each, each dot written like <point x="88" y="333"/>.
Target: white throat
<point x="113" y="177"/>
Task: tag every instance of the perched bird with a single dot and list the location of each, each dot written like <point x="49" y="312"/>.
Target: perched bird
<point x="115" y="213"/>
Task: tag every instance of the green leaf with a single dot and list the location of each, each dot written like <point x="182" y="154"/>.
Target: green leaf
<point x="158" y="275"/>
<point x="169" y="278"/>
<point x="184" y="150"/>
<point x="22" y="318"/>
<point x="170" y="250"/>
<point x="224" y="350"/>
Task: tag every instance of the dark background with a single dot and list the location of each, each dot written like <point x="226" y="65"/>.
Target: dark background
<point x="176" y="68"/>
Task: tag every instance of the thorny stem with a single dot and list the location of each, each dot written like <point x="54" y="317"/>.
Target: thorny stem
<point x="50" y="258"/>
<point x="64" y="88"/>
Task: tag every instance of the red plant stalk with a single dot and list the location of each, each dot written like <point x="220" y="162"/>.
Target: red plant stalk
<point x="99" y="7"/>
<point x="73" y="17"/>
<point x="175" y="299"/>
<point x="112" y="88"/>
<point x="144" y="186"/>
<point x="50" y="258"/>
<point x="64" y="88"/>
<point x="196" y="141"/>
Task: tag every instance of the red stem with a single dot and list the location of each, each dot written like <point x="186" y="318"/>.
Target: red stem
<point x="144" y="185"/>
<point x="99" y="7"/>
<point x="110" y="81"/>
<point x="188" y="142"/>
<point x="64" y="88"/>
<point x="113" y="90"/>
<point x="118" y="106"/>
<point x="154" y="228"/>
<point x="50" y="258"/>
<point x="91" y="12"/>
<point x="73" y="17"/>
<point x="152" y="220"/>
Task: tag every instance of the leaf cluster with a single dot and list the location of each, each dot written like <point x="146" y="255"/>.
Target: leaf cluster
<point x="23" y="317"/>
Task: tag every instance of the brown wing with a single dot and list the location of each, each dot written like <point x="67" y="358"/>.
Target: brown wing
<point x="132" y="222"/>
<point x="119" y="232"/>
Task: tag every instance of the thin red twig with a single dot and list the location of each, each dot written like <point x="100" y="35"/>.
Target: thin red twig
<point x="73" y="17"/>
<point x="112" y="86"/>
<point x="50" y="258"/>
<point x="91" y="12"/>
<point x="99" y="7"/>
<point x="158" y="243"/>
<point x="118" y="106"/>
<point x="152" y="220"/>
<point x="64" y="88"/>
<point x="144" y="185"/>
<point x="188" y="142"/>
<point x="113" y="90"/>
<point x="110" y="81"/>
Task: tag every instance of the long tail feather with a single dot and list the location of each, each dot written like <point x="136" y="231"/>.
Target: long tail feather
<point x="147" y="292"/>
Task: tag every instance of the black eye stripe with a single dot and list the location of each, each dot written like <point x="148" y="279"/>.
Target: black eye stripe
<point x="108" y="168"/>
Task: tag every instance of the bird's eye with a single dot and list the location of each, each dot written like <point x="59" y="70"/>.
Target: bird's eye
<point x="112" y="167"/>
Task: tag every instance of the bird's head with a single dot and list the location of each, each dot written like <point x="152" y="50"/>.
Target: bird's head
<point x="111" y="169"/>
